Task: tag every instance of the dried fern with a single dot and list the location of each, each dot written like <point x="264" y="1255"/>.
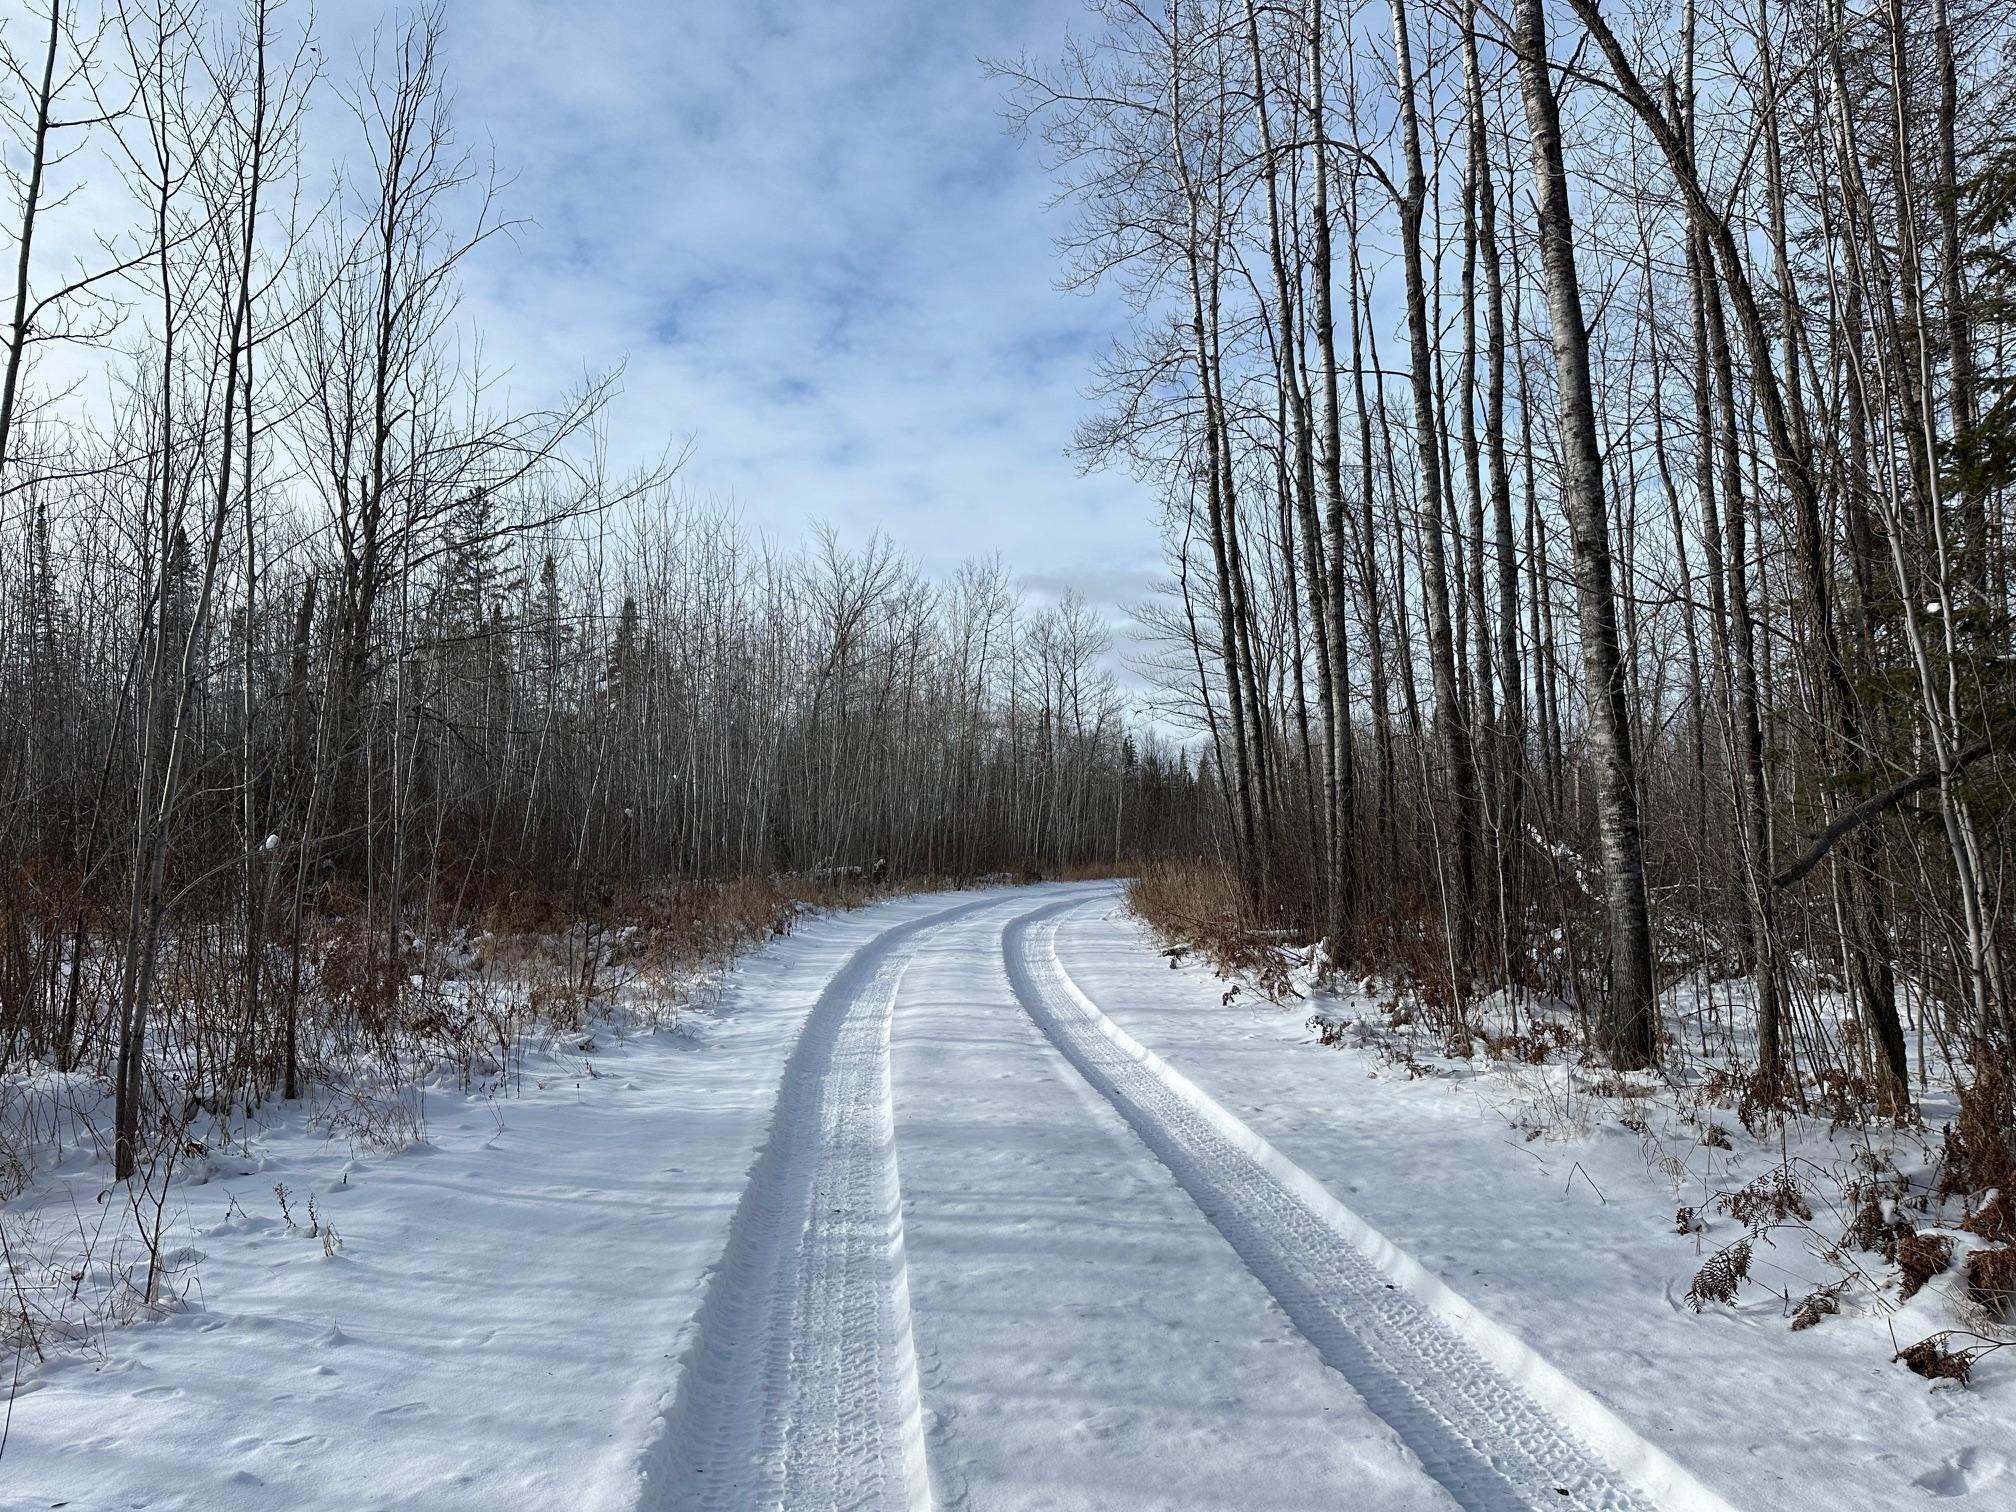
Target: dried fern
<point x="1995" y="1219"/>
<point x="1877" y="1228"/>
<point x="1934" y="1360"/>
<point x="1771" y="1198"/>
<point x="1823" y="1303"/>
<point x="1920" y="1257"/>
<point x="1718" y="1280"/>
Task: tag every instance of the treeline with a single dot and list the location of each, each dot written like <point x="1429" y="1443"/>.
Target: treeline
<point x="314" y="648"/>
<point x="1587" y="442"/>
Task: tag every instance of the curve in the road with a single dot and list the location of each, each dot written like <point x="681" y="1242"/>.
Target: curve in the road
<point x="1477" y="1432"/>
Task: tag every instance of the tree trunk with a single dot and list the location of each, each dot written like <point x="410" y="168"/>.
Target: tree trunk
<point x="1627" y="1027"/>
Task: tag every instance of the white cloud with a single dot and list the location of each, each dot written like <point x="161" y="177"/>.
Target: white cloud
<point x="822" y="258"/>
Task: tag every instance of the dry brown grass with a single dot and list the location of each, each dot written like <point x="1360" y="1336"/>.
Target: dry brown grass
<point x="1991" y="1280"/>
<point x="1088" y="871"/>
<point x="1191" y="906"/>
<point x="1186" y="899"/>
<point x="676" y="925"/>
<point x="558" y="960"/>
<point x="1197" y="906"/>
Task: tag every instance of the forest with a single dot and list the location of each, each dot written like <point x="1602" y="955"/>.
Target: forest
<point x="695" y="1010"/>
<point x="1586" y="442"/>
<point x="315" y="649"/>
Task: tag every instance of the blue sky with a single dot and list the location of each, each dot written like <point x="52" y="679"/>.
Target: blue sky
<point x="806" y="233"/>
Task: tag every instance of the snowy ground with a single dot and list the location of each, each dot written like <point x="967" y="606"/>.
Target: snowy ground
<point x="1551" y="1211"/>
<point x="969" y="1201"/>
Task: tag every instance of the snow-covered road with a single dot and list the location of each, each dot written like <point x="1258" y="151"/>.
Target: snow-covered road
<point x="909" y="1221"/>
<point x="992" y="1257"/>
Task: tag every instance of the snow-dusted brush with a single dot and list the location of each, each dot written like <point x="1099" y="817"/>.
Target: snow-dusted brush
<point x="1801" y="1197"/>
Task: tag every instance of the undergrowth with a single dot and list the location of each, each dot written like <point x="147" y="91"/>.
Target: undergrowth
<point x="457" y="1005"/>
<point x="1916" y="1222"/>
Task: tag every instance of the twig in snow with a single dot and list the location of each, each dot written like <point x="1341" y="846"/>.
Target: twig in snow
<point x="1592" y="1185"/>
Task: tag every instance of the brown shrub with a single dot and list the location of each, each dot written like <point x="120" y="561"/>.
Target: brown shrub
<point x="686" y="924"/>
<point x="356" y="982"/>
<point x="1847" y="1095"/>
<point x="1539" y="1043"/>
<point x="1765" y="1101"/>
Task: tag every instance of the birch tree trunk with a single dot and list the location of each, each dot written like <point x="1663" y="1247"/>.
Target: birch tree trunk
<point x="1627" y="1026"/>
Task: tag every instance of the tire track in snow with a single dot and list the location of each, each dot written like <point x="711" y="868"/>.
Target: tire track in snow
<point x="800" y="1389"/>
<point x="1483" y="1437"/>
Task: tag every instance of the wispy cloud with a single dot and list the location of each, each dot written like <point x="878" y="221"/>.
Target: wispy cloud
<point x="807" y="236"/>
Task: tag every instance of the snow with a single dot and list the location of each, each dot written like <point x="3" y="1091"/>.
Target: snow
<point x="968" y="1200"/>
<point x="1088" y="1341"/>
<point x="1543" y="1212"/>
<point x="502" y="1325"/>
